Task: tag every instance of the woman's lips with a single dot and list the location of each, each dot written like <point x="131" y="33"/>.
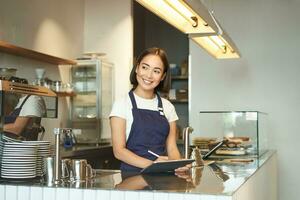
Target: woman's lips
<point x="147" y="82"/>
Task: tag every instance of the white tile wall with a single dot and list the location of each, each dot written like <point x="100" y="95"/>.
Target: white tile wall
<point x="2" y="192"/>
<point x="76" y="194"/>
<point x="36" y="193"/>
<point x="160" y="196"/>
<point x="62" y="194"/>
<point x="9" y="192"/>
<point x="89" y="194"/>
<point x="129" y="195"/>
<point x="103" y="194"/>
<point x="23" y="193"/>
<point x="117" y="195"/>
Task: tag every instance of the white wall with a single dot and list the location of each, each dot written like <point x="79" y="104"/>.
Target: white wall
<point x="50" y="26"/>
<point x="266" y="78"/>
<point x="109" y="29"/>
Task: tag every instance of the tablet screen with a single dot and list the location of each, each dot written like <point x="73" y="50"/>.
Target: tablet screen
<point x="166" y="166"/>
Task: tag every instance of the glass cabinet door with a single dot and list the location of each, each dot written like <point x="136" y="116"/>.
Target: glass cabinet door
<point x="107" y="99"/>
<point x="84" y="81"/>
<point x="93" y="84"/>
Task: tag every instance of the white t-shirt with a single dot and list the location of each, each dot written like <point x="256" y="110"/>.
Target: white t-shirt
<point x="123" y="108"/>
<point x="34" y="106"/>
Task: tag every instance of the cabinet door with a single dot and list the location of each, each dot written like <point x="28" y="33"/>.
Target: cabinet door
<point x="85" y="83"/>
<point x="85" y="105"/>
<point x="107" y="98"/>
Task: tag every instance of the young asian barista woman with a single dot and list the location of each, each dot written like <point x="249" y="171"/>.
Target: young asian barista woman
<point x="142" y="120"/>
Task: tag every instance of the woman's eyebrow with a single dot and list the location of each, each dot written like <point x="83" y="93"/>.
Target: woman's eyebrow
<point x="151" y="66"/>
<point x="145" y="64"/>
<point x="158" y="68"/>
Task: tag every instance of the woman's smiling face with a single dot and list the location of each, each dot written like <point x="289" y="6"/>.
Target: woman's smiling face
<point x="150" y="72"/>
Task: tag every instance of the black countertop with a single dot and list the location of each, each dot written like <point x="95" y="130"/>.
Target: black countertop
<point x="216" y="179"/>
<point x="84" y="149"/>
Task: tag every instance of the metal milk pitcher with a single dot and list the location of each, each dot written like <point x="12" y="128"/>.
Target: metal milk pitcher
<point x="79" y="170"/>
<point x="65" y="168"/>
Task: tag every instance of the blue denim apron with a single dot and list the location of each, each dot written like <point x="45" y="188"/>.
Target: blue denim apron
<point x="11" y="118"/>
<point x="149" y="131"/>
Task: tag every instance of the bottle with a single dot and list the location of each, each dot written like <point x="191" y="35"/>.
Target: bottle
<point x="68" y="139"/>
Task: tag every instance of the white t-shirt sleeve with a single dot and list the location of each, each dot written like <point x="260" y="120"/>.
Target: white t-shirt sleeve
<point x="34" y="106"/>
<point x="119" y="109"/>
<point x="169" y="111"/>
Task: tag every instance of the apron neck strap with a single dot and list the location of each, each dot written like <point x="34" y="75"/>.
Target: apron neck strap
<point x="134" y="105"/>
<point x="21" y="106"/>
<point x="133" y="102"/>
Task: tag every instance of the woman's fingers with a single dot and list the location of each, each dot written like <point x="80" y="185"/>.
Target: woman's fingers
<point x="162" y="158"/>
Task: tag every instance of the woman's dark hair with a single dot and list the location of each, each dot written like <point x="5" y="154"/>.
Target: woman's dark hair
<point x="164" y="85"/>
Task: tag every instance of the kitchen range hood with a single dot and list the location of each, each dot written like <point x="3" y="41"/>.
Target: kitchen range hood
<point x="191" y="17"/>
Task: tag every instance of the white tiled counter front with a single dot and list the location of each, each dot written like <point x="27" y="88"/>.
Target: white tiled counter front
<point x="256" y="181"/>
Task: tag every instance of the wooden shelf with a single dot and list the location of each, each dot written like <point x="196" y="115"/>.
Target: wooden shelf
<point x="65" y="94"/>
<point x="20" y="51"/>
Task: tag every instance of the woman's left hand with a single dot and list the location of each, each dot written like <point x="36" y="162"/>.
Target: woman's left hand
<point x="183" y="169"/>
<point x="184" y="172"/>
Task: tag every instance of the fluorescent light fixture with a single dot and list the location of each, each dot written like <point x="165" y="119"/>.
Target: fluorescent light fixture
<point x="219" y="46"/>
<point x="188" y="16"/>
<point x="191" y="17"/>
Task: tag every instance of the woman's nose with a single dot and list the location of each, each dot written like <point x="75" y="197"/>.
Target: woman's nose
<point x="149" y="73"/>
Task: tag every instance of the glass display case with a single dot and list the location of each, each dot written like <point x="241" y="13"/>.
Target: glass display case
<point x="92" y="80"/>
<point x="244" y="132"/>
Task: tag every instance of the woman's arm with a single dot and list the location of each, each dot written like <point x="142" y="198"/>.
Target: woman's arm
<point x="18" y="126"/>
<point x="118" y="130"/>
<point x="173" y="152"/>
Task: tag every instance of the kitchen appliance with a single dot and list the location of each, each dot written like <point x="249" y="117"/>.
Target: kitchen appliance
<point x="93" y="84"/>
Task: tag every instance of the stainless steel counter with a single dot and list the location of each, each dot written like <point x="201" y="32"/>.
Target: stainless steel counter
<point x="216" y="179"/>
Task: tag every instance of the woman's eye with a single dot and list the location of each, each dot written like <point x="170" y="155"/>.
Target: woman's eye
<point x="157" y="71"/>
<point x="144" y="67"/>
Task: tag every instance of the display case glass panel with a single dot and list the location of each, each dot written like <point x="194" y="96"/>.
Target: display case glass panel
<point x="245" y="132"/>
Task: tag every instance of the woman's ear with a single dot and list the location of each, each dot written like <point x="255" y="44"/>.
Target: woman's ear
<point x="136" y="68"/>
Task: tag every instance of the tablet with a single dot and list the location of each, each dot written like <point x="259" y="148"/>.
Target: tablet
<point x="166" y="166"/>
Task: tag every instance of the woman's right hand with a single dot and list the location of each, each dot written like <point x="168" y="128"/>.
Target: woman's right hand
<point x="162" y="158"/>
